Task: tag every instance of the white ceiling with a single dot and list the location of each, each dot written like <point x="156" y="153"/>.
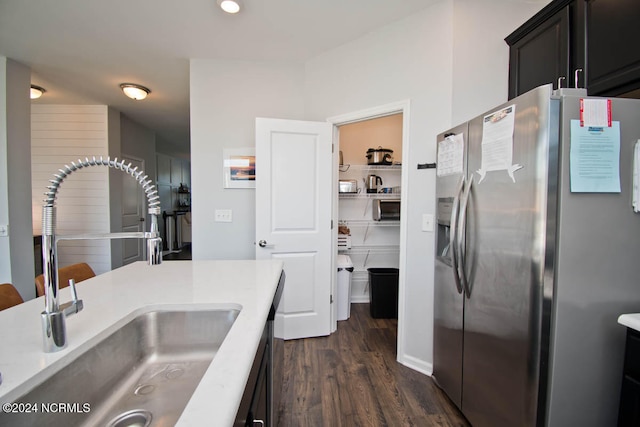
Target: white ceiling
<point x="80" y="51"/>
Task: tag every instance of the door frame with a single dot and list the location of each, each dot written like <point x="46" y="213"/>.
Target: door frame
<point x="402" y="107"/>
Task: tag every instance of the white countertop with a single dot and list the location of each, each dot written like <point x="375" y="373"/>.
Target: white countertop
<point x="631" y="320"/>
<point x="116" y="296"/>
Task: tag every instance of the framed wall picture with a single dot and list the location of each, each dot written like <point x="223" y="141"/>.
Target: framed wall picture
<point x="239" y="167"/>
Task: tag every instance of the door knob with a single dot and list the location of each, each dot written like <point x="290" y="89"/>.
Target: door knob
<point x="262" y="243"/>
<point x="141" y="219"/>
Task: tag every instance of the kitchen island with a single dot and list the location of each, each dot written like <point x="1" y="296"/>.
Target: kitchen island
<point x="629" y="411"/>
<point x="630" y="320"/>
<point x="113" y="298"/>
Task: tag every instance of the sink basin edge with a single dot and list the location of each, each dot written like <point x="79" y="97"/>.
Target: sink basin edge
<point x="74" y="353"/>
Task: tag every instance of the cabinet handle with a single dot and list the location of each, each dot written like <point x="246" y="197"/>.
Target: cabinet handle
<point x="258" y="422"/>
<point x="560" y="79"/>
<point x="575" y="77"/>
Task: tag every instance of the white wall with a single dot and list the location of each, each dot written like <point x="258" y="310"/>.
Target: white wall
<point x="480" y="54"/>
<point x="410" y="59"/>
<point x="61" y="134"/>
<point x="226" y="98"/>
<point x="450" y="60"/>
<point x="140" y="142"/>
<point x="16" y="249"/>
<point x="165" y="147"/>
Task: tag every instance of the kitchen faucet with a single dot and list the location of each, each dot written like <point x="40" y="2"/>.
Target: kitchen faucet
<point x="54" y="315"/>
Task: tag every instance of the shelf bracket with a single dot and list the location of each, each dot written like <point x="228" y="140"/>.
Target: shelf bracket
<point x="366" y="232"/>
<point x="366" y="207"/>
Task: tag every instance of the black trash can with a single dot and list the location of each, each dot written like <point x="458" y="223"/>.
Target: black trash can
<point x="383" y="293"/>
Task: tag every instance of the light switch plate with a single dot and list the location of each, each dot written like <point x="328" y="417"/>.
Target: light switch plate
<point x="4" y="230"/>
<point x="427" y="222"/>
<point x="223" y="215"/>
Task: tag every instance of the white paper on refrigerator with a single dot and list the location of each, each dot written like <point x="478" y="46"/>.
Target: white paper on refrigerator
<point x="497" y="143"/>
<point x="451" y="155"/>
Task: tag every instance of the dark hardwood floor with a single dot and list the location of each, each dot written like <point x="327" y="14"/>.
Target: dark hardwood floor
<point x="351" y="378"/>
<point x="184" y="253"/>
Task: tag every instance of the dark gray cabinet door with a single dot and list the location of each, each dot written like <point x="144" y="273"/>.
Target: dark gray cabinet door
<point x="613" y="35"/>
<point x="541" y="56"/>
<point x="598" y="37"/>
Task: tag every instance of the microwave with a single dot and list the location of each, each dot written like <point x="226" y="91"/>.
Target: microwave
<point x="386" y="209"/>
<point x="348" y="186"/>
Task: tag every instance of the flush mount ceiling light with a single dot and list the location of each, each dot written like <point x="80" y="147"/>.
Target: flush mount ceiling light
<point x="135" y="91"/>
<point x="36" y="92"/>
<point x="229" y="6"/>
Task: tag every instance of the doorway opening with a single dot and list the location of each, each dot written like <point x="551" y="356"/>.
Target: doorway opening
<point x="367" y="239"/>
<point x="371" y="150"/>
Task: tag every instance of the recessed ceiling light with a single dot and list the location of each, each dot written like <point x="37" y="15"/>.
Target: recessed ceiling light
<point x="135" y="91"/>
<point x="36" y="92"/>
<point x="229" y="6"/>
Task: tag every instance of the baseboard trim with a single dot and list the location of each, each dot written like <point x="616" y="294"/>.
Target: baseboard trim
<point x="408" y="361"/>
<point x="416" y="364"/>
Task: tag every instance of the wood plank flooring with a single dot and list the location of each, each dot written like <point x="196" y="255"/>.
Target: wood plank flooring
<point x="351" y="378"/>
<point x="184" y="253"/>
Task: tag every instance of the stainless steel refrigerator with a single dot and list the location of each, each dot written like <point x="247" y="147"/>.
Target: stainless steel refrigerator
<point x="531" y="274"/>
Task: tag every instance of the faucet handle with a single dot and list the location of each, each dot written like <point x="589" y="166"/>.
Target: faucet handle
<point x="74" y="292"/>
<point x="75" y="305"/>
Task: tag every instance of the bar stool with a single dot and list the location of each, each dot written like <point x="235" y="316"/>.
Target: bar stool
<point x="77" y="272"/>
<point x="9" y="296"/>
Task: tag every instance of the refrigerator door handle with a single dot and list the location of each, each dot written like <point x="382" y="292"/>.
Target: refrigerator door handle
<point x="452" y="234"/>
<point x="464" y="203"/>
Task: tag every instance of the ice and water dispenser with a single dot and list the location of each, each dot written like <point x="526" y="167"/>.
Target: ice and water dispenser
<point x="445" y="205"/>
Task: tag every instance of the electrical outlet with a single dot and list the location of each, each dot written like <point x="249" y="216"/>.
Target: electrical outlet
<point x="4" y="230"/>
<point x="223" y="215"/>
<point x="427" y="222"/>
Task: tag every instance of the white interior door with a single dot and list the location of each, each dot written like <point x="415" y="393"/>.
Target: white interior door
<point x="133" y="215"/>
<point x="293" y="219"/>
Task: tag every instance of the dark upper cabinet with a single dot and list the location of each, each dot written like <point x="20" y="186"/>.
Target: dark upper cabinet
<point x="594" y="36"/>
<point x="541" y="56"/>
<point x="544" y="49"/>
<point x="613" y="35"/>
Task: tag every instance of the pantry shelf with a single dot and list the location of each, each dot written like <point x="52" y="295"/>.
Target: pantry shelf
<point x="368" y="222"/>
<point x="366" y="168"/>
<point x="368" y="249"/>
<point x="369" y="195"/>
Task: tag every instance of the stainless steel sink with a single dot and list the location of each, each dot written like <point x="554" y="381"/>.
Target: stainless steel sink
<point x="143" y="374"/>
